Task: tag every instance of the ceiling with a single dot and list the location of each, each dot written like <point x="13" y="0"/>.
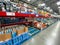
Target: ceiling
<point x="50" y="3"/>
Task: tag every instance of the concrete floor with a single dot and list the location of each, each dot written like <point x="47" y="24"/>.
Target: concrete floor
<point x="50" y="36"/>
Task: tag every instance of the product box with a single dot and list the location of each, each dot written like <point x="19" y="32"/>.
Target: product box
<point x="4" y="37"/>
<point x="14" y="29"/>
<point x="20" y="30"/>
<point x="39" y="25"/>
<point x="44" y="25"/>
<point x="25" y="29"/>
<point x="7" y="36"/>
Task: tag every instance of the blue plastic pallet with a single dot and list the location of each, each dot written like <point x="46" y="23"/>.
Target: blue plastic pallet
<point x="25" y="36"/>
<point x="9" y="42"/>
<point x="17" y="40"/>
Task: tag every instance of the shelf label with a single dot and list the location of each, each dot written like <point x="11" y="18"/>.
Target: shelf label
<point x="10" y="14"/>
<point x="37" y="15"/>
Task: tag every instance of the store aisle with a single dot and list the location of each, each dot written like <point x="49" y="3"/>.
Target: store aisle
<point x="50" y="36"/>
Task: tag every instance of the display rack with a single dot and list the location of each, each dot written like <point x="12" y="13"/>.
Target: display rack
<point x="17" y="23"/>
<point x="16" y="14"/>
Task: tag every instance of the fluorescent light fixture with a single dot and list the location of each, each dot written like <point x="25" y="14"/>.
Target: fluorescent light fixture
<point x="25" y="5"/>
<point x="28" y="0"/>
<point x="39" y="4"/>
<point x="59" y="7"/>
<point x="35" y="8"/>
<point x="6" y="0"/>
<point x="55" y="13"/>
<point x="58" y="3"/>
<point x="43" y="4"/>
<point x="48" y="8"/>
<point x="45" y="7"/>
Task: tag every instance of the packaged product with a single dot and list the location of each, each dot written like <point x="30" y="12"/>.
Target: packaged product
<point x="25" y="29"/>
<point x="5" y="36"/>
<point x="20" y="30"/>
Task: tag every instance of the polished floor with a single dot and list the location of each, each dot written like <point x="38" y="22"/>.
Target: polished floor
<point x="50" y="36"/>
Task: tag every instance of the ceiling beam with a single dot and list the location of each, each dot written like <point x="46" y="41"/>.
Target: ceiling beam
<point x="31" y="4"/>
<point x="28" y="3"/>
<point x="35" y="1"/>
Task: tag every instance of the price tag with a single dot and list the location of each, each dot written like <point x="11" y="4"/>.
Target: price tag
<point x="10" y="14"/>
<point x="37" y="15"/>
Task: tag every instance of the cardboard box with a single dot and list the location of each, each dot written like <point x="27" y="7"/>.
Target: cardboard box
<point x="4" y="37"/>
<point x="8" y="36"/>
<point x="25" y="29"/>
<point x="19" y="32"/>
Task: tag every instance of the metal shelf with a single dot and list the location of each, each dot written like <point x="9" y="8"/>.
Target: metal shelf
<point x="16" y="14"/>
<point x="18" y="23"/>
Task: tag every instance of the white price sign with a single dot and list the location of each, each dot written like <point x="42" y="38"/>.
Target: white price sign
<point x="10" y="14"/>
<point x="37" y="15"/>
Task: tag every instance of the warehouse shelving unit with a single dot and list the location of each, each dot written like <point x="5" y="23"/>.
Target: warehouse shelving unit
<point x="21" y="37"/>
<point x="16" y="14"/>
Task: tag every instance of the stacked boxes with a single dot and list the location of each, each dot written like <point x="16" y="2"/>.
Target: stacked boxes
<point x="5" y="36"/>
<point x="25" y="29"/>
<point x="20" y="30"/>
<point x="12" y="32"/>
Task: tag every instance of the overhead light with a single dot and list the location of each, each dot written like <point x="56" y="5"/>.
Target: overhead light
<point x="48" y="8"/>
<point x="58" y="3"/>
<point x="55" y="13"/>
<point x="28" y="0"/>
<point x="39" y="4"/>
<point x="25" y="5"/>
<point x="43" y="4"/>
<point x="59" y="7"/>
<point x="45" y="7"/>
<point x="35" y="8"/>
<point x="6" y="0"/>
